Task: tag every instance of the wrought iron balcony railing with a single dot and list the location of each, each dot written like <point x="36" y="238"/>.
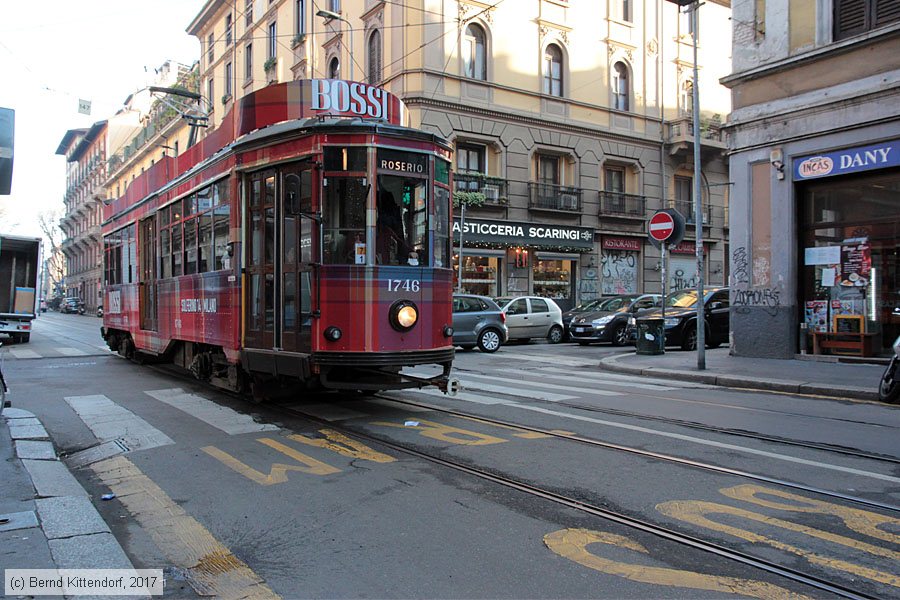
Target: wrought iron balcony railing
<point x="554" y="197"/>
<point x="686" y="208"/>
<point x="493" y="188"/>
<point x="621" y="204"/>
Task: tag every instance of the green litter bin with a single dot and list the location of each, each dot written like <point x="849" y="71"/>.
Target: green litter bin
<point x="651" y="336"/>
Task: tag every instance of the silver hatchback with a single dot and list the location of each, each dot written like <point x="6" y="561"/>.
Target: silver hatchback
<point x="478" y="321"/>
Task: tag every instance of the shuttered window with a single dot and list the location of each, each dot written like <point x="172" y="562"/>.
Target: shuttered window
<point x="852" y="17"/>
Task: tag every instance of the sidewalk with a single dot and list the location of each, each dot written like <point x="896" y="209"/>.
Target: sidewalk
<point x="47" y="519"/>
<point x="801" y="376"/>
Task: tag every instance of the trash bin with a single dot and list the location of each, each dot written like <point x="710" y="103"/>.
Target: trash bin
<point x="651" y="336"/>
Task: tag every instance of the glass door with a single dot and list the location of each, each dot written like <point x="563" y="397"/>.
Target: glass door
<point x="298" y="234"/>
<point x="149" y="318"/>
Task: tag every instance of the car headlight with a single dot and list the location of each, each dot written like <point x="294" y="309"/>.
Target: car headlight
<point x="403" y="315"/>
<point x="601" y="321"/>
<point x="672" y="321"/>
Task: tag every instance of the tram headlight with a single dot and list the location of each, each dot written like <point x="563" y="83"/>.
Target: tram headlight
<point x="332" y="334"/>
<point x="448" y="331"/>
<point x="404" y="315"/>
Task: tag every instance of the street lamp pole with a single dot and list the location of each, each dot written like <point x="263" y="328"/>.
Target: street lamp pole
<point x="698" y="190"/>
<point x="327" y="14"/>
<point x="698" y="199"/>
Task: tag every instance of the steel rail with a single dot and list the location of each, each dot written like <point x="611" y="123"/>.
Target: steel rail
<point x="616" y="517"/>
<point x="659" y="456"/>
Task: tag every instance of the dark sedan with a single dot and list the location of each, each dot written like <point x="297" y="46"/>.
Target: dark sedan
<point x="681" y="318"/>
<point x="589" y="306"/>
<point x="609" y="321"/>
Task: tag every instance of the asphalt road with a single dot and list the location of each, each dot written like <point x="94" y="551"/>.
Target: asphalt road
<point x="339" y="496"/>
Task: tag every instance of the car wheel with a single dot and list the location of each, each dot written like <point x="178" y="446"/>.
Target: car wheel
<point x="24" y="338"/>
<point x="619" y="337"/>
<point x="489" y="340"/>
<point x="689" y="339"/>
<point x="556" y="334"/>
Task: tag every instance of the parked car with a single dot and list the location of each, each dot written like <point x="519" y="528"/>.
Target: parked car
<point x="532" y="317"/>
<point x="584" y="307"/>
<point x="681" y="318"/>
<point x="71" y="306"/>
<point x="609" y="322"/>
<point x="478" y="320"/>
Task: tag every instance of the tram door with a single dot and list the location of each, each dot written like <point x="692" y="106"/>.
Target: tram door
<point x="280" y="261"/>
<point x="148" y="288"/>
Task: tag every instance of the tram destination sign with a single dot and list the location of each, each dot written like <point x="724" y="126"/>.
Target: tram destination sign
<point x="513" y="233"/>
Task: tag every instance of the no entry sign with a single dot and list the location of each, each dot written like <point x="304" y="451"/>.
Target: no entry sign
<point x="662" y="226"/>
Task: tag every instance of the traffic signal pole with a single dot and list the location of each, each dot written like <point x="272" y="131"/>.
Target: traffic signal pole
<point x="698" y="202"/>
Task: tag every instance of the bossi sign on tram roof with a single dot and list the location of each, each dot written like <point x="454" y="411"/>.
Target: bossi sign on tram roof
<point x="307" y="98"/>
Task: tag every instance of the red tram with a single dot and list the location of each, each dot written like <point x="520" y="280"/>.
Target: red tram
<point x="306" y="239"/>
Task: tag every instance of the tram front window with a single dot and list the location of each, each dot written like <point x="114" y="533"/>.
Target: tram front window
<point x="344" y="220"/>
<point x="401" y="229"/>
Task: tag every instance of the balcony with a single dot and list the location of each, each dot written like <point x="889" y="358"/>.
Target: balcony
<point x="545" y="196"/>
<point x="618" y="204"/>
<point x="492" y="188"/>
<point x="686" y="208"/>
<point x="680" y="137"/>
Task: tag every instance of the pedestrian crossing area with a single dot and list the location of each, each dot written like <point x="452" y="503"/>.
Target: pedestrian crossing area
<point x="49" y="350"/>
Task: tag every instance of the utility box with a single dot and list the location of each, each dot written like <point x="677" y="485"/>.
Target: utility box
<point x="651" y="336"/>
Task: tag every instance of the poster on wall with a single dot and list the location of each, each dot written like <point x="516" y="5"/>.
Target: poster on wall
<point x="856" y="262"/>
<point x="817" y="315"/>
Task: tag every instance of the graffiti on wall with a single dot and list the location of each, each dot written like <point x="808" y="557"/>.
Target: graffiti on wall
<point x="619" y="269"/>
<point x="743" y="296"/>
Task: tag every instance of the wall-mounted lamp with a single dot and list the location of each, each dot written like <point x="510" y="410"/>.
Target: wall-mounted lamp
<point x="775" y="157"/>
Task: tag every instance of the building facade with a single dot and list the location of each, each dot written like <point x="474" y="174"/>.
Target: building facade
<point x="570" y="121"/>
<point x="85" y="152"/>
<point x="815" y="161"/>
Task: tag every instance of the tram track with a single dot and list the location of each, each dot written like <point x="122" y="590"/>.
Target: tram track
<point x="636" y="523"/>
<point x="655" y="455"/>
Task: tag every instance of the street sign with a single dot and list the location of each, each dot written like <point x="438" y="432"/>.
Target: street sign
<point x="662" y="226"/>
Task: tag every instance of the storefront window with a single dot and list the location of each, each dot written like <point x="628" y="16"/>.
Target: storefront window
<point x="480" y="275"/>
<point x="553" y="279"/>
<point x="851" y="256"/>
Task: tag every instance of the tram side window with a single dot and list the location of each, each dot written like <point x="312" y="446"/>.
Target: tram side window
<point x="402" y="225"/>
<point x="220" y="236"/>
<point x="129" y="255"/>
<point x="190" y="246"/>
<point x="441" y="227"/>
<point x="113" y="254"/>
<point x="165" y="253"/>
<point x="344" y="219"/>
<point x="177" y="258"/>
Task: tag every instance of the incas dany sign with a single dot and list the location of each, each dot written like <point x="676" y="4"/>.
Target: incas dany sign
<point x="851" y="160"/>
<point x="512" y="233"/>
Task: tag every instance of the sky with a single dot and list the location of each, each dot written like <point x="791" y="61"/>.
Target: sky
<point x="54" y="53"/>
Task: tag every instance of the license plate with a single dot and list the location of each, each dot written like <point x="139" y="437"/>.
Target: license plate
<point x="580" y="329"/>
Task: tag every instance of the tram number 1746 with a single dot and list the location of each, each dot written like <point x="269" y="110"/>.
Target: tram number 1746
<point x="407" y="285"/>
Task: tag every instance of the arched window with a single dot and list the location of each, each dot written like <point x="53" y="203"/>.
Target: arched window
<point x="553" y="83"/>
<point x="334" y="68"/>
<point x="374" y="58"/>
<point x="473" y="52"/>
<point x="620" y="87"/>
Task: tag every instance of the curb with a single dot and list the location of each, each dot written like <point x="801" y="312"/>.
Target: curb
<point x="75" y="532"/>
<point x="611" y="363"/>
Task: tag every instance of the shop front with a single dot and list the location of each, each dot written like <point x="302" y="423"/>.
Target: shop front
<point x="849" y="226"/>
<point x="519" y="258"/>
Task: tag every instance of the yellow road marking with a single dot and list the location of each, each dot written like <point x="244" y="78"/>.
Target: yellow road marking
<point x="862" y="521"/>
<point x="337" y="442"/>
<point x="278" y="471"/>
<point x="696" y="512"/>
<point x="447" y="433"/>
<point x="572" y="544"/>
<point x="523" y="433"/>
<point x="212" y="568"/>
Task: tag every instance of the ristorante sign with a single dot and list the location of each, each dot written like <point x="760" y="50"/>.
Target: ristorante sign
<point x="512" y="233"/>
<point x="851" y="160"/>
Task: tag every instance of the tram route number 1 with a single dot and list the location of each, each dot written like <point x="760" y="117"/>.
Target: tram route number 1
<point x="406" y="285"/>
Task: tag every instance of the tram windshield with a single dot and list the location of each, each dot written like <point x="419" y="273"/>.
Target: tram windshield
<point x="401" y="229"/>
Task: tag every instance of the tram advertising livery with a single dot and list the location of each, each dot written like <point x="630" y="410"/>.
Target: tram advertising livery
<point x="305" y="240"/>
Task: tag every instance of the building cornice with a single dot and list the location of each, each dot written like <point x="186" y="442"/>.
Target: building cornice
<point x="817" y="54"/>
